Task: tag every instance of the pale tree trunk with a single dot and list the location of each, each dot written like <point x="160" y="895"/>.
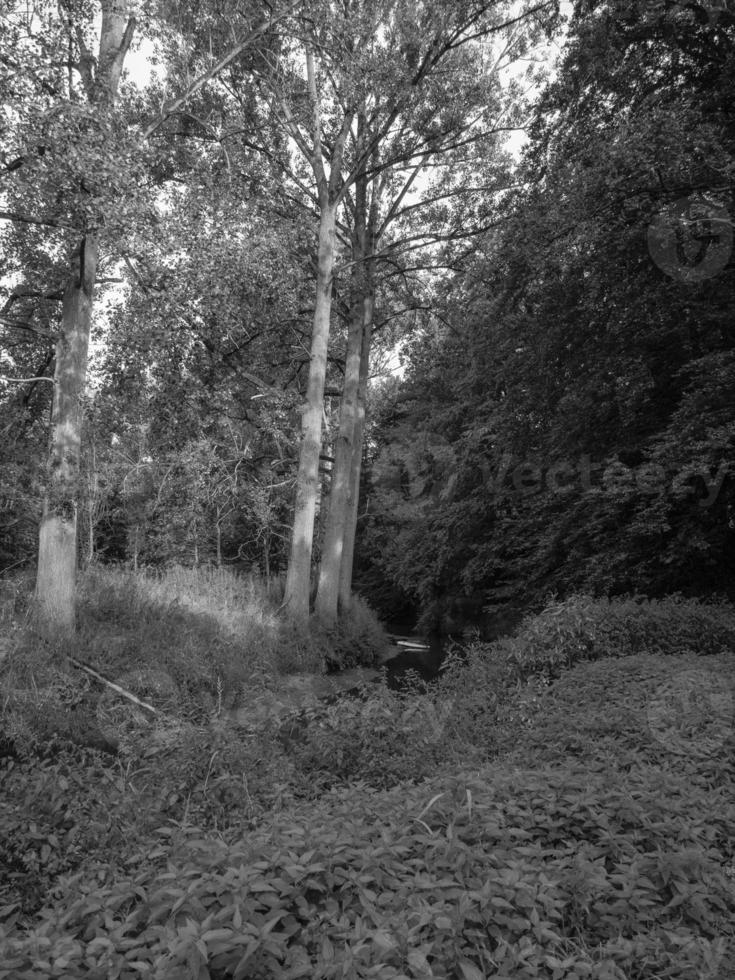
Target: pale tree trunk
<point x="330" y="190"/>
<point x="94" y="505"/>
<point x="91" y="511"/>
<point x="353" y="496"/>
<point x="57" y="545"/>
<point x="335" y="580"/>
<point x="307" y="481"/>
<point x="332" y="547"/>
<point x="333" y="544"/>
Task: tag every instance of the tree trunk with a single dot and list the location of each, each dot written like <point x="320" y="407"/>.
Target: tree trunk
<point x="93" y="506"/>
<point x="307" y="481"/>
<point x="353" y="496"/>
<point x="90" y="535"/>
<point x="332" y="547"/>
<point x="57" y="545"/>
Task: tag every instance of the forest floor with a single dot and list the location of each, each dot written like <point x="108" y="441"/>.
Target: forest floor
<point x="560" y="804"/>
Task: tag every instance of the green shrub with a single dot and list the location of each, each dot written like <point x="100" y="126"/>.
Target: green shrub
<point x="566" y="874"/>
<point x="477" y="685"/>
<point x="64" y="808"/>
<point x="622" y="713"/>
<point x="380" y="739"/>
<point x="361" y="638"/>
<point x="582" y="628"/>
<point x="597" y="843"/>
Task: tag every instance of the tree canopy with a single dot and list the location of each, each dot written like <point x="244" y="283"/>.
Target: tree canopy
<point x="291" y="195"/>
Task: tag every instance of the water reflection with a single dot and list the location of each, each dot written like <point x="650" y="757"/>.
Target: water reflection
<point x="423" y="655"/>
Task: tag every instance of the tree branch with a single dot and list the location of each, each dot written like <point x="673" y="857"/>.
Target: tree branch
<point x="25" y="325"/>
<point x="215" y="70"/>
<point x="317" y="162"/>
<point x="31" y="219"/>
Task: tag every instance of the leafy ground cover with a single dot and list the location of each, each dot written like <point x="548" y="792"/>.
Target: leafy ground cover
<point x="513" y="821"/>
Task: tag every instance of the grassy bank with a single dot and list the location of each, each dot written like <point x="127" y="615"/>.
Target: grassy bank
<point x="559" y="806"/>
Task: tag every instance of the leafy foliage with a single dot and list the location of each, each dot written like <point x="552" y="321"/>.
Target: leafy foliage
<point x="575" y="408"/>
<point x="535" y="875"/>
<point x="591" y="846"/>
<point x="582" y="628"/>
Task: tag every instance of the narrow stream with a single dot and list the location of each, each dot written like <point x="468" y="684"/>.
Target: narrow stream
<point x="424" y="655"/>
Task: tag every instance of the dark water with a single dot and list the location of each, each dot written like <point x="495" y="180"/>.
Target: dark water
<point x="426" y="663"/>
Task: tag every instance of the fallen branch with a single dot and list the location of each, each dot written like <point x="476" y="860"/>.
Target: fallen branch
<point x="115" y="687"/>
<point x="23" y="381"/>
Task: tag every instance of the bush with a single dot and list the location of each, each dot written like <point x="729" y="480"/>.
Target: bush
<point x="65" y="809"/>
<point x="671" y="713"/>
<point x="477" y="684"/>
<point x="566" y="874"/>
<point x="360" y="639"/>
<point x="381" y="738"/>
<point x="582" y="628"/>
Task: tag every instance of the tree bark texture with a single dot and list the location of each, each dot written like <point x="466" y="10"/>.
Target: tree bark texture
<point x="353" y="495"/>
<point x="327" y="597"/>
<point x="307" y="480"/>
<point x="57" y="545"/>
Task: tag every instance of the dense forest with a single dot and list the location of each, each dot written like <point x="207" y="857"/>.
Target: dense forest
<point x="323" y="322"/>
<point x="575" y="408"/>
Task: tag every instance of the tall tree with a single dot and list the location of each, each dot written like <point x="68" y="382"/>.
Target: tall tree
<point x="350" y="69"/>
<point x="450" y="161"/>
<point x="76" y="119"/>
<point x="77" y="170"/>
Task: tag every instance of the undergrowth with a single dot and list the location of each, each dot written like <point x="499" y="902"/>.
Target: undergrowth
<point x="559" y="806"/>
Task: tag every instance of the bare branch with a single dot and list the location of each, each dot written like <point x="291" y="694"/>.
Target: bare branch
<point x="317" y="162"/>
<point x="31" y="219"/>
<point x="393" y="210"/>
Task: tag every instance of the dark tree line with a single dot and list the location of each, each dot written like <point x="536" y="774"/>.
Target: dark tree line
<point x="576" y="404"/>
